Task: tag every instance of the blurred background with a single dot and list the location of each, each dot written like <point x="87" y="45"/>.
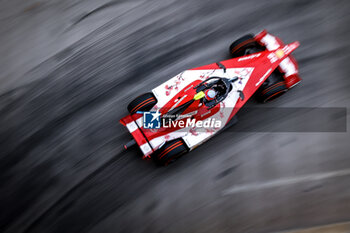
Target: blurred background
<point x="70" y="67"/>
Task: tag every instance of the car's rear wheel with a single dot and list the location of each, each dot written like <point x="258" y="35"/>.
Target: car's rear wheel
<point x="273" y="87"/>
<point x="144" y="102"/>
<point x="170" y="152"/>
<point x="245" y="45"/>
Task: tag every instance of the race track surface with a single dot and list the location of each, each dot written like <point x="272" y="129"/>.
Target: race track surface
<point x="69" y="69"/>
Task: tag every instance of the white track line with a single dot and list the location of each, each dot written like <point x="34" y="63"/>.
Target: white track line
<point x="284" y="181"/>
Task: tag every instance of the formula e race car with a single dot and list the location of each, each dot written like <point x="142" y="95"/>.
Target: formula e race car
<point x="193" y="106"/>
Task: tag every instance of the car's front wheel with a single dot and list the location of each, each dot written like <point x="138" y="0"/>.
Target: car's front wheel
<point x="273" y="87"/>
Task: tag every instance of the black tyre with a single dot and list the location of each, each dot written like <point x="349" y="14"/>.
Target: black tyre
<point x="272" y="88"/>
<point x="170" y="152"/>
<point x="144" y="102"/>
<point x="245" y="45"/>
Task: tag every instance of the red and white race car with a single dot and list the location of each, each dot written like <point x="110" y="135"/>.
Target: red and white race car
<point x="191" y="107"/>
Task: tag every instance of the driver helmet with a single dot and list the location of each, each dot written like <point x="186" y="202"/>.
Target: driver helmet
<point x="210" y="94"/>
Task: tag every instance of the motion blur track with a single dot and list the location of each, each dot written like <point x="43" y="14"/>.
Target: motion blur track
<point x="69" y="68"/>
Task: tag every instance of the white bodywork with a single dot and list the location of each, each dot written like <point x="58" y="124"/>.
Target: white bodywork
<point x="166" y="91"/>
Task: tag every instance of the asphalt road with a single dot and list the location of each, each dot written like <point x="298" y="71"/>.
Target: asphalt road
<point x="69" y="68"/>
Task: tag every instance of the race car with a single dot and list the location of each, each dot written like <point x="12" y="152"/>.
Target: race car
<point x="190" y="108"/>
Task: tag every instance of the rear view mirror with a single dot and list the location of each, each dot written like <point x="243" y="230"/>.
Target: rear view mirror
<point x="241" y="95"/>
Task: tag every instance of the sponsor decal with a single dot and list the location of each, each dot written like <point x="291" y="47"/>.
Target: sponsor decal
<point x="249" y="57"/>
<point x="190" y="87"/>
<point x="270" y="42"/>
<point x="288" y="67"/>
<point x="272" y="57"/>
<point x="178" y="101"/>
<point x="279" y="53"/>
<point x="263" y="77"/>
